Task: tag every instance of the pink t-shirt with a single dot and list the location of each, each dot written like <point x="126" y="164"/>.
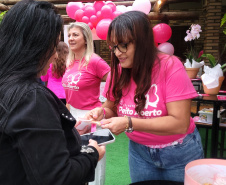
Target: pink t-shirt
<point x="82" y="87"/>
<point x="169" y="83"/>
<point x="54" y="84"/>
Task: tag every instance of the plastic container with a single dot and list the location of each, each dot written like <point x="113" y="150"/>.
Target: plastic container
<point x="205" y="171"/>
<point x="206" y="115"/>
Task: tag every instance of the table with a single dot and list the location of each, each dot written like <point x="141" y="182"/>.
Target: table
<point x="217" y="101"/>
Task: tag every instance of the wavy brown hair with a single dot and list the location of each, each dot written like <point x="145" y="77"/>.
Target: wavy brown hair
<point x="59" y="65"/>
<point x="133" y="26"/>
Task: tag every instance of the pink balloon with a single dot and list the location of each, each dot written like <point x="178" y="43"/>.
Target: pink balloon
<point x="102" y="28"/>
<point x="85" y="19"/>
<point x="89" y="11"/>
<point x="90" y="25"/>
<point x="106" y="11"/>
<point x="93" y="20"/>
<point x="72" y="7"/>
<point x="98" y="5"/>
<point x="112" y="5"/>
<point x="142" y="5"/>
<point x="116" y="14"/>
<point x="166" y="47"/>
<point x="99" y="16"/>
<point x="162" y="32"/>
<point x="79" y="14"/>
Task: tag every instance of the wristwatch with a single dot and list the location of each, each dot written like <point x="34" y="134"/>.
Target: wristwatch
<point x="129" y="127"/>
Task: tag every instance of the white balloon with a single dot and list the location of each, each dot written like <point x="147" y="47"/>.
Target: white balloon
<point x="129" y="8"/>
<point x="121" y="8"/>
<point x="166" y="47"/>
<point x="142" y="5"/>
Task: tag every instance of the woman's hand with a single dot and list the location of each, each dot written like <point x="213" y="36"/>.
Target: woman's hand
<point x="68" y="106"/>
<point x="116" y="125"/>
<point x="100" y="149"/>
<point x="85" y="130"/>
<point x="96" y="114"/>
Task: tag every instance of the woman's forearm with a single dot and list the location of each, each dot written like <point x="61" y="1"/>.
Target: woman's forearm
<point x="166" y="125"/>
<point x="110" y="111"/>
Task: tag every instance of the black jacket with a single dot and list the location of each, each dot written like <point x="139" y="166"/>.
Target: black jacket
<point x="38" y="142"/>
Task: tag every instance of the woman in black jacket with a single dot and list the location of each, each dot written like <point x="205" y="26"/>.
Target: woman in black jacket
<point x="38" y="144"/>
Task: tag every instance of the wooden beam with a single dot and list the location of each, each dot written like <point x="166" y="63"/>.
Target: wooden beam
<point x="174" y="15"/>
<point x="3" y="7"/>
<point x="12" y="2"/>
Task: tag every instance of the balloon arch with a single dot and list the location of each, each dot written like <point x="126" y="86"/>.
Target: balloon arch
<point x="98" y="16"/>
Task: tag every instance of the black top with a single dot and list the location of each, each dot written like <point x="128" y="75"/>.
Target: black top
<point x="38" y="142"/>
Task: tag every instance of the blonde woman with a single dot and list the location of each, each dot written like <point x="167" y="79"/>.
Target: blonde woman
<point x="81" y="81"/>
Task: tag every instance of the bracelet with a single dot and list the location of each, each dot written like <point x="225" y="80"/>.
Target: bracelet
<point x="104" y="113"/>
<point x="127" y="125"/>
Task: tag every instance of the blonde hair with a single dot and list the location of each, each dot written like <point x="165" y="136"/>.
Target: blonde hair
<point x="87" y="34"/>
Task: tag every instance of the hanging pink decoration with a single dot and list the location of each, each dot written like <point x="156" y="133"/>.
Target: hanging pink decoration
<point x="72" y="7"/>
<point x="102" y="28"/>
<point x="162" y="32"/>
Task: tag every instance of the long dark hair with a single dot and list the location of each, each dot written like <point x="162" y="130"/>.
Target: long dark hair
<point x="29" y="34"/>
<point x="59" y="65"/>
<point x="133" y="26"/>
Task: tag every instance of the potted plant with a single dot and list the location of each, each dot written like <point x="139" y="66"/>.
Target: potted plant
<point x="193" y="62"/>
<point x="213" y="76"/>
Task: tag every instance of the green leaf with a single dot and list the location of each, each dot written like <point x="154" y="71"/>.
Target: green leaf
<point x="224" y="70"/>
<point x="211" y="59"/>
<point x="223" y="20"/>
<point x="224" y="31"/>
<point x="2" y="15"/>
<point x="223" y="67"/>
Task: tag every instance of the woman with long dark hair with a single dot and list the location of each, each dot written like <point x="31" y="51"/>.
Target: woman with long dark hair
<point x="53" y="78"/>
<point x="149" y="97"/>
<point x="38" y="142"/>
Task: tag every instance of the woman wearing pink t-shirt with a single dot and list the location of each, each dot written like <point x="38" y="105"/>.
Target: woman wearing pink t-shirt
<point x="56" y="70"/>
<point x="149" y="97"/>
<point x="81" y="81"/>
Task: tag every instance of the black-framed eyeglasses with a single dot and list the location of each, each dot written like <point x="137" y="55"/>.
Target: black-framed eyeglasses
<point x="122" y="47"/>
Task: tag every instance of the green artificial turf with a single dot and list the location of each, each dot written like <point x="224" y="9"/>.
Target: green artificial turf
<point x="117" y="167"/>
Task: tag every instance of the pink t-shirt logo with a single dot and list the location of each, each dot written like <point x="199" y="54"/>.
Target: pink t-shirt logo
<point x="72" y="81"/>
<point x="154" y="88"/>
